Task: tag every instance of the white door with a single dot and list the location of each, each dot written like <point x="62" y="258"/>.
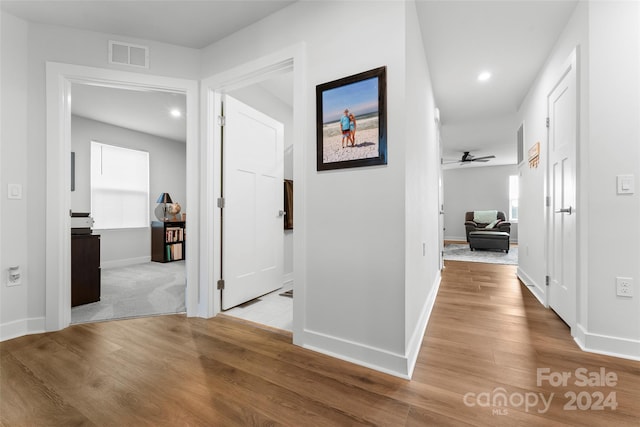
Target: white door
<point x="562" y="128"/>
<point x="252" y="217"/>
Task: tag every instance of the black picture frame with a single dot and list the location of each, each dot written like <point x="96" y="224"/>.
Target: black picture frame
<point x="365" y="96"/>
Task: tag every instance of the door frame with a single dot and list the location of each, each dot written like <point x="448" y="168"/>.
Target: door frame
<point x="285" y="60"/>
<point x="59" y="77"/>
<point x="440" y="193"/>
<point x="571" y="64"/>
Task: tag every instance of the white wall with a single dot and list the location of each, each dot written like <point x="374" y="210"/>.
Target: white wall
<point x="167" y="174"/>
<point x="613" y="148"/>
<point x="27" y="137"/>
<point x="13" y="170"/>
<point x="608" y="36"/>
<point x="355" y="229"/>
<point x="533" y="112"/>
<point x="262" y="100"/>
<point x="422" y="270"/>
<point x="475" y="189"/>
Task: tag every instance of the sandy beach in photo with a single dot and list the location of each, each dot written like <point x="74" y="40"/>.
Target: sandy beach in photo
<point x="366" y="143"/>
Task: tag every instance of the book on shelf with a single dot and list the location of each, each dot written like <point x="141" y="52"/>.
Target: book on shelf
<point x="174" y="252"/>
<point x="174" y="234"/>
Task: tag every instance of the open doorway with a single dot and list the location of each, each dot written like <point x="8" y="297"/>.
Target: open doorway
<point x="274" y="98"/>
<point x="60" y="77"/>
<point x="287" y="60"/>
<point x="128" y="146"/>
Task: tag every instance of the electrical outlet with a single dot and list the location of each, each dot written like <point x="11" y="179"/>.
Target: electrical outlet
<point x="624" y="286"/>
<point x="14" y="277"/>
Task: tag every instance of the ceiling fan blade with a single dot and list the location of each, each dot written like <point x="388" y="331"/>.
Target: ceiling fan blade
<point x="475" y="159"/>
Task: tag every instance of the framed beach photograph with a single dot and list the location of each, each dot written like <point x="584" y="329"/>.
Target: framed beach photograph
<point x="351" y="121"/>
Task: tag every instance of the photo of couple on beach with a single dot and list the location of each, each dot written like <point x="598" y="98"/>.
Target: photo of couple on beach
<point x="350" y="122"/>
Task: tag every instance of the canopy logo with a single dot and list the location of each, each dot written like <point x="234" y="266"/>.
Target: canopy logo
<point x="499" y="400"/>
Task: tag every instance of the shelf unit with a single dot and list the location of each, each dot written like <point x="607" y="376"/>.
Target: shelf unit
<point x="168" y="241"/>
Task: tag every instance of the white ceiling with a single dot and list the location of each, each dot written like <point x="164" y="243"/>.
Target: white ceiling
<point x="142" y="111"/>
<point x="511" y="39"/>
<point x="189" y="23"/>
<point x="462" y="38"/>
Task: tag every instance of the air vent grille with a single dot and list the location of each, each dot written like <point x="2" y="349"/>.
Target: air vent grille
<point x="128" y="54"/>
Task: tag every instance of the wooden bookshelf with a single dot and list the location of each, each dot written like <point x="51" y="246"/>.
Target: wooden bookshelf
<point x="168" y="241"/>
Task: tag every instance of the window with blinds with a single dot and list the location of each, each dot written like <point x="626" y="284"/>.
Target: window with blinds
<point x="119" y="187"/>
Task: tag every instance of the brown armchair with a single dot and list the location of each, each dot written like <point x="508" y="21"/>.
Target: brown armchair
<point x="470" y="225"/>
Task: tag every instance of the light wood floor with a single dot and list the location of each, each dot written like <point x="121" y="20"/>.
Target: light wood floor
<point x="486" y="332"/>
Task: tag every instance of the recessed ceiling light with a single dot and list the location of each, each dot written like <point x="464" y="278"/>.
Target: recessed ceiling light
<point x="484" y="76"/>
<point x="176" y="113"/>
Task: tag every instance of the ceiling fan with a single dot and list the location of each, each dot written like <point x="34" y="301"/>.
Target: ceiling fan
<point x="467" y="157"/>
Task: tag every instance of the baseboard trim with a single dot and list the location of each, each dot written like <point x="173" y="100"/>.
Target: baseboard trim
<point x="360" y="354"/>
<point x="532" y="286"/>
<point x="415" y="343"/>
<point x="455" y="238"/>
<point x="22" y="327"/>
<point x="287" y="279"/>
<point x="125" y="262"/>
<point x="396" y="364"/>
<point x="607" y="345"/>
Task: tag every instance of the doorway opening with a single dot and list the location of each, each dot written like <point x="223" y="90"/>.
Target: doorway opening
<point x="287" y="61"/>
<point x="272" y="97"/>
<point x="129" y="146"/>
<point x="60" y="78"/>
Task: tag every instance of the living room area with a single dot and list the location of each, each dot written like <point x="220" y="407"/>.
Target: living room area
<point x="471" y="192"/>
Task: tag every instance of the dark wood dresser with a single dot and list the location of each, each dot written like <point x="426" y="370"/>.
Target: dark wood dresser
<point x="85" y="268"/>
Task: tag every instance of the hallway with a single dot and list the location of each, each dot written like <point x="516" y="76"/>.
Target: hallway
<point x="486" y="334"/>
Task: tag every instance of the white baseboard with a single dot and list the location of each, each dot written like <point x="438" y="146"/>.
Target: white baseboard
<point x="413" y="349"/>
<point x="456" y="238"/>
<point x="606" y="344"/>
<point x="19" y="328"/>
<point x="399" y="365"/>
<point x="532" y="286"/>
<point x="357" y="353"/>
<point x="125" y="262"/>
<point x="593" y="343"/>
<point x="287" y="279"/>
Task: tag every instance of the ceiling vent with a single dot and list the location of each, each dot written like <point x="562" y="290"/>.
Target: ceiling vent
<point x="128" y="54"/>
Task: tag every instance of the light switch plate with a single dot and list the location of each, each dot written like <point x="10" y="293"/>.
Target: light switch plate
<point x="14" y="191"/>
<point x="626" y="184"/>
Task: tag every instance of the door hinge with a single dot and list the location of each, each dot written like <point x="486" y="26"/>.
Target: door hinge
<point x="546" y="280"/>
<point x="547" y="201"/>
<point x="547" y="121"/>
<point x="221" y="202"/>
<point x="221" y="284"/>
<point x="221" y="121"/>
